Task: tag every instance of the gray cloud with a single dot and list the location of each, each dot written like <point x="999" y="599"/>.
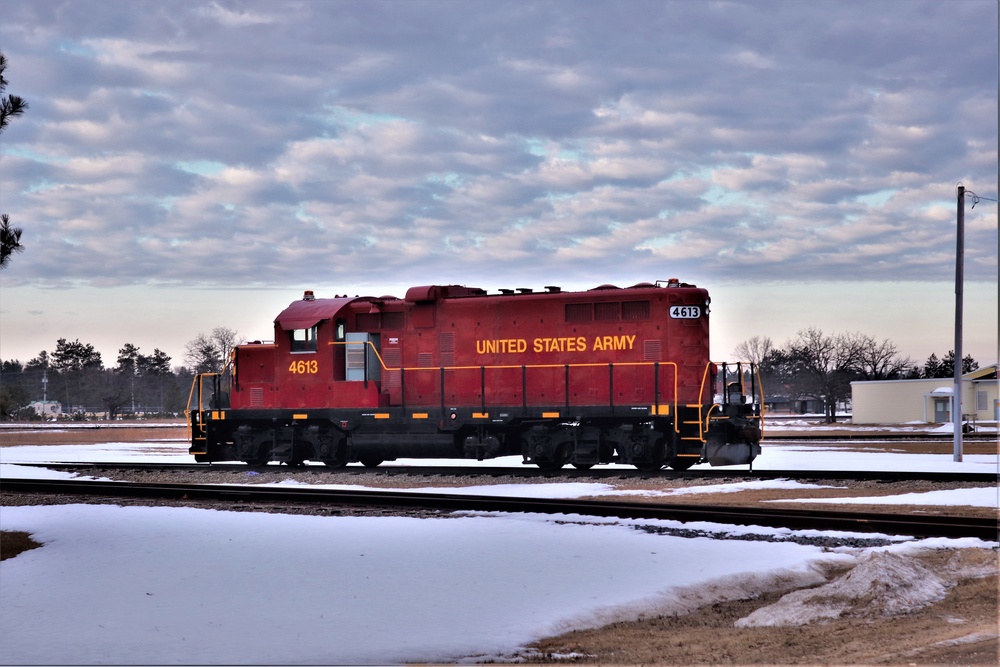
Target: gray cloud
<point x="251" y="143"/>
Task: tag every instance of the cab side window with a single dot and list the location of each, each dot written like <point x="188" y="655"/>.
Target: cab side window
<point x="304" y="340"/>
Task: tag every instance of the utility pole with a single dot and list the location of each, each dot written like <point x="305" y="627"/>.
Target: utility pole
<point x="956" y="402"/>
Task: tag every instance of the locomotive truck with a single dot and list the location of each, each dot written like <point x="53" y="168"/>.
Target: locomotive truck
<point x="606" y="375"/>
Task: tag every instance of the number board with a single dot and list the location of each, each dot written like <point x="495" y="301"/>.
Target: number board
<point x="685" y="312"/>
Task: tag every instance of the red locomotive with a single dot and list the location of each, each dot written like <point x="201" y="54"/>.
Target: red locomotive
<point x="606" y="375"/>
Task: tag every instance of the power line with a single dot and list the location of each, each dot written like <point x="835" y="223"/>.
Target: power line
<point x="976" y="198"/>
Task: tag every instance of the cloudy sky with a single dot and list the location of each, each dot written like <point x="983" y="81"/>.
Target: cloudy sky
<point x="186" y="165"/>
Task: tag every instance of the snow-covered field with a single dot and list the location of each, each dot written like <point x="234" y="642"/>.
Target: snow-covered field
<point x="139" y="585"/>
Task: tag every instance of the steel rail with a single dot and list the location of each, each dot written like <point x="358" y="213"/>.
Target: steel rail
<point x="531" y="472"/>
<point x="866" y="436"/>
<point x="892" y="524"/>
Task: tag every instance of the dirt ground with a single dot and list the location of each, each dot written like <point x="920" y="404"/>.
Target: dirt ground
<point x="937" y="607"/>
<point x="960" y="629"/>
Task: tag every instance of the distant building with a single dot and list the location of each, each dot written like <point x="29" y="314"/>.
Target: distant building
<point x="930" y="400"/>
<point x="800" y="406"/>
<point x="46" y="409"/>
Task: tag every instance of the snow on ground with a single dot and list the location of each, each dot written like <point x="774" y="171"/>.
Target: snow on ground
<point x="164" y="585"/>
<point x="139" y="585"/>
<point x="177" y="585"/>
<point x="817" y="424"/>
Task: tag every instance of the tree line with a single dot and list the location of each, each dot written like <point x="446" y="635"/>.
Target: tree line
<point x="74" y="374"/>
<point x="820" y="366"/>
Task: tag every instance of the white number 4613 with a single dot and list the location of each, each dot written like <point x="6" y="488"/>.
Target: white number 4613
<point x="685" y="312"/>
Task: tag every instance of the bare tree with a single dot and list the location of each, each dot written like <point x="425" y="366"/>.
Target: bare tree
<point x="210" y="353"/>
<point x="754" y="349"/>
<point x="826" y="365"/>
<point x="225" y="341"/>
<point x="880" y="361"/>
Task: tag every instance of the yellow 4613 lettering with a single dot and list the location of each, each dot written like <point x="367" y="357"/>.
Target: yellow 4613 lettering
<point x="303" y="366"/>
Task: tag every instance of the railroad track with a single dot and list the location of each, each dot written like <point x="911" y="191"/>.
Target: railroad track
<point x="892" y="524"/>
<point x="528" y="472"/>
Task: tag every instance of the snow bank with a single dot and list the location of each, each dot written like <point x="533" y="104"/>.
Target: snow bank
<point x="883" y="583"/>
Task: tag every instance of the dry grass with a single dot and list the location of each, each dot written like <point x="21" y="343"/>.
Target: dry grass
<point x="14" y="542"/>
<point x="88" y="435"/>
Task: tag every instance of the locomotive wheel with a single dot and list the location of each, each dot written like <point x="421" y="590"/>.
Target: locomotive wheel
<point x="258" y="461"/>
<point x="656" y="463"/>
<point x="371" y="462"/>
<point x="560" y="459"/>
<point x="337" y="450"/>
<point x="583" y="466"/>
<point x="254" y="449"/>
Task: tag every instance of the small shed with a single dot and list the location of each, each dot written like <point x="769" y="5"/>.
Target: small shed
<point x="46" y="409"/>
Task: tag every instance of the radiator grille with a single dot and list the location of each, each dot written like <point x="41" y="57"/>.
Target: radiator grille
<point x="635" y="310"/>
<point x="446" y="344"/>
<point x="392" y="358"/>
<point x="256" y="397"/>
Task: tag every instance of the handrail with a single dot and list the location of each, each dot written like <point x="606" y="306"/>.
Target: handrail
<point x="198" y="382"/>
<point x="708" y="419"/>
<point x="763" y="403"/>
<point x="499" y="366"/>
<point x="525" y="367"/>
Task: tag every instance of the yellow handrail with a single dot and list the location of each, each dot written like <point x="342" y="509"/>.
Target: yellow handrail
<point x="408" y="369"/>
<point x="198" y="382"/>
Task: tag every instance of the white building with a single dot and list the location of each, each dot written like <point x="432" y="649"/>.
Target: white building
<point x="902" y="401"/>
<point x="46" y="409"/>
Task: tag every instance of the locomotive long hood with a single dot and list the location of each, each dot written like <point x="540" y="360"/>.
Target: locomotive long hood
<point x="304" y="314"/>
